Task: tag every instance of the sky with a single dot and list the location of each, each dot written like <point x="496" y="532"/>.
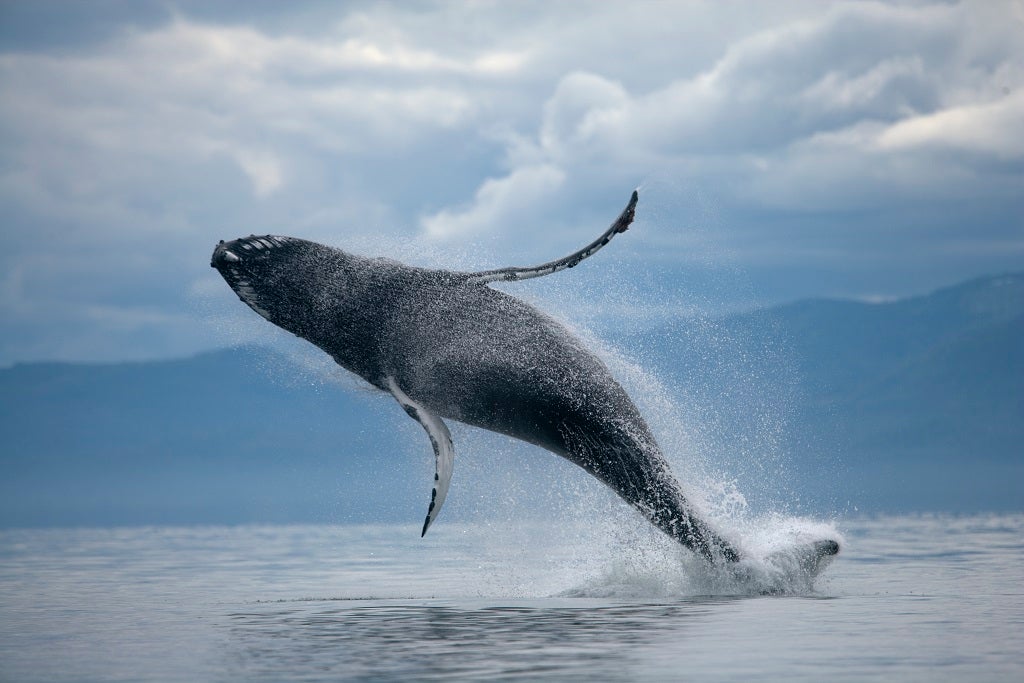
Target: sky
<point x="783" y="150"/>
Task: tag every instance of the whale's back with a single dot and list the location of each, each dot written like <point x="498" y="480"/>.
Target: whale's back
<point x="529" y="376"/>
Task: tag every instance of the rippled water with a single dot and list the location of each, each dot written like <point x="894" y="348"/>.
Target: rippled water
<point x="911" y="598"/>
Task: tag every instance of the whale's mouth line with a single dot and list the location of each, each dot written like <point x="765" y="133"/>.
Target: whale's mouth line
<point x="242" y="285"/>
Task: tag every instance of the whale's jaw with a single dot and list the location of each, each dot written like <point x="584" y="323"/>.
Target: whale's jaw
<point x="243" y="263"/>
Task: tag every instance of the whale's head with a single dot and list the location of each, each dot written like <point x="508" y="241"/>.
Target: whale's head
<point x="273" y="275"/>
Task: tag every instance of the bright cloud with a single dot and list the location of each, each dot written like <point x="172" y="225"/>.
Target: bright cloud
<point x="991" y="129"/>
<point x="513" y="196"/>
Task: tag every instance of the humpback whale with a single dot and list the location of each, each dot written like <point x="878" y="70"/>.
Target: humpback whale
<point x="447" y="346"/>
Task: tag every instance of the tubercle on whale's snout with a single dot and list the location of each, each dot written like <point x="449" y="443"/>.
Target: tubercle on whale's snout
<point x="227" y="253"/>
<point x="222" y="255"/>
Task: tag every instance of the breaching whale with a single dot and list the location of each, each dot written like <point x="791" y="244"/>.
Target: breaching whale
<point x="448" y="346"/>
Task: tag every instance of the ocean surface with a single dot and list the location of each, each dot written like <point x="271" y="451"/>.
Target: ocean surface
<point x="923" y="598"/>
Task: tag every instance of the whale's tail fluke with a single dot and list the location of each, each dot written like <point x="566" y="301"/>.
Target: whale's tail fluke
<point x="788" y="570"/>
<point x="621" y="224"/>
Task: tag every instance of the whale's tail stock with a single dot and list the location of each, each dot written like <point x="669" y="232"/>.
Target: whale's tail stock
<point x="772" y="559"/>
<point x="793" y="557"/>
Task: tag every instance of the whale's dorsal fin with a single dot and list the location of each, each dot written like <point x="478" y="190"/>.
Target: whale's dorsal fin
<point x="621" y="224"/>
<point x="444" y="452"/>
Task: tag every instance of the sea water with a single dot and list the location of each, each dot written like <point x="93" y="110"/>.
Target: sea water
<point x="910" y="598"/>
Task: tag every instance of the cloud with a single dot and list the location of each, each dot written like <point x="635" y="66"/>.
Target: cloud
<point x="583" y="107"/>
<point x="505" y="198"/>
<point x="190" y="92"/>
<point x="125" y="154"/>
<point x="991" y="129"/>
<point x="263" y="170"/>
<point x="830" y="109"/>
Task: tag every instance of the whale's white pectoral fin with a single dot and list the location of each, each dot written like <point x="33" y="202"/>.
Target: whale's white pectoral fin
<point x="621" y="224"/>
<point x="444" y="451"/>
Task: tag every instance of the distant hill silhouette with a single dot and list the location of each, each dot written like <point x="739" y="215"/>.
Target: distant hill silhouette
<point x="914" y="404"/>
<point x="231" y="436"/>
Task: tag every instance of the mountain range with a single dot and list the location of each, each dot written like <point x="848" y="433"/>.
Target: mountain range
<point x="845" y="407"/>
<point x="915" y="404"/>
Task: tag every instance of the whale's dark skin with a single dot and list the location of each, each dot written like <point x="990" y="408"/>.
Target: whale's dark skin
<point x="445" y="344"/>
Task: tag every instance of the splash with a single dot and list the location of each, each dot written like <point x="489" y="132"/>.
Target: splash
<point x="779" y="558"/>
